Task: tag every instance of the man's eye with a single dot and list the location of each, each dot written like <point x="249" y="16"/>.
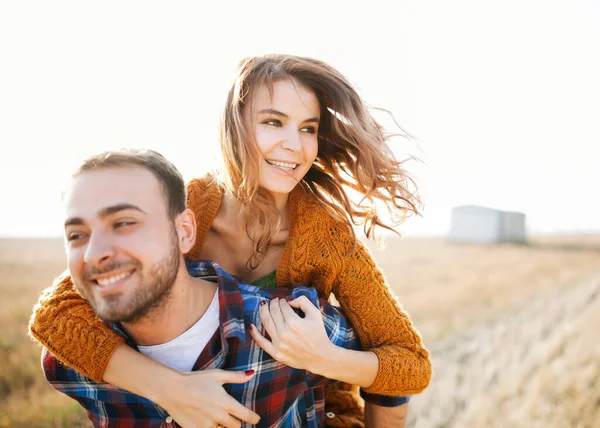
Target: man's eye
<point x="75" y="236"/>
<point x="123" y="223"/>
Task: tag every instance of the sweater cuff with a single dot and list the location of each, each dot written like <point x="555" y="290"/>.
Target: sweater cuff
<point x="107" y="348"/>
<point x="398" y="376"/>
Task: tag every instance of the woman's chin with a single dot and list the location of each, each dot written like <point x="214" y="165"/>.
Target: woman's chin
<point x="276" y="187"/>
<point x="278" y="191"/>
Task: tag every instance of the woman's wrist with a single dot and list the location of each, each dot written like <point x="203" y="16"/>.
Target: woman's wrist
<point x="163" y="385"/>
<point x="134" y="372"/>
<point x="354" y="367"/>
<point x="325" y="364"/>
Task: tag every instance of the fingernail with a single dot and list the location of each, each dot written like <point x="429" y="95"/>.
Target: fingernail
<point x="263" y="302"/>
<point x="249" y="372"/>
<point x="251" y="327"/>
<point x="289" y="298"/>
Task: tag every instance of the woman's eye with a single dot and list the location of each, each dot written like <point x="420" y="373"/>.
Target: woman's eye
<point x="272" y="122"/>
<point x="310" y="130"/>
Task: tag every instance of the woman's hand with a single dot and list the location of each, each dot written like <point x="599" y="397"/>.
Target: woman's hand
<point x="199" y="400"/>
<point x="194" y="399"/>
<point x="301" y="343"/>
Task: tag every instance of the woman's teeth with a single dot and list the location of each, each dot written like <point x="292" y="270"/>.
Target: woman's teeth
<point x="284" y="165"/>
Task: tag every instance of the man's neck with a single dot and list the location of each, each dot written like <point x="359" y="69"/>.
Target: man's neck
<point x="189" y="299"/>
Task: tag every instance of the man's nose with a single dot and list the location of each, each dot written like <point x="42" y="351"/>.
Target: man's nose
<point x="99" y="250"/>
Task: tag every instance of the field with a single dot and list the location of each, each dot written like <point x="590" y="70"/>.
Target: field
<point x="512" y="331"/>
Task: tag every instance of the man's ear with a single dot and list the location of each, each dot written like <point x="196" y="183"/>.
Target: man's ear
<point x="186" y="230"/>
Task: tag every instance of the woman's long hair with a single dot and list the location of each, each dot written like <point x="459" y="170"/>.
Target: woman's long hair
<point x="353" y="152"/>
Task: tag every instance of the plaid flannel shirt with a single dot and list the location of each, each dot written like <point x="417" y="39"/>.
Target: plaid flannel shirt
<point x="281" y="395"/>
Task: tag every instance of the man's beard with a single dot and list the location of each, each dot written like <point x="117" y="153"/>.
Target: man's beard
<point x="152" y="294"/>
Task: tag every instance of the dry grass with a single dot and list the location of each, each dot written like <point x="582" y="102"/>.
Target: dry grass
<point x="27" y="266"/>
<point x="511" y="330"/>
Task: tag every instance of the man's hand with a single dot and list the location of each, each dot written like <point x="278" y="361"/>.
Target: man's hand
<point x="198" y="400"/>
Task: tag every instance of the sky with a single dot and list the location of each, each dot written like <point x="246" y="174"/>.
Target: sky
<point x="502" y="97"/>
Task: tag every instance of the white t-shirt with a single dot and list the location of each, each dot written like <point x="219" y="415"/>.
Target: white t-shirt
<point x="182" y="352"/>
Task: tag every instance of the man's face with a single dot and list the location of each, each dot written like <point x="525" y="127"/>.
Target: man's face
<point x="122" y="247"/>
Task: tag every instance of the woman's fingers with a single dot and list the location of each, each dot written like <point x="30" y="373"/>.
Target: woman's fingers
<point x="306" y="306"/>
<point x="241" y="413"/>
<point x="228" y="421"/>
<point x="291" y="318"/>
<point x="267" y="321"/>
<point x="262" y="341"/>
<point x="231" y="376"/>
<point x="276" y="315"/>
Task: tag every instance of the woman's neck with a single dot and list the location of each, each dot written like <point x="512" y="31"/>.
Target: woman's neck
<point x="231" y="208"/>
<point x="281" y="202"/>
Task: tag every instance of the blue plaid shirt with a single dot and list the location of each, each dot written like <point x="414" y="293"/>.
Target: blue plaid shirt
<point x="281" y="395"/>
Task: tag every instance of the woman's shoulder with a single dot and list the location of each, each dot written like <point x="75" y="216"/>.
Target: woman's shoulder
<point x="202" y="188"/>
<point x="203" y="185"/>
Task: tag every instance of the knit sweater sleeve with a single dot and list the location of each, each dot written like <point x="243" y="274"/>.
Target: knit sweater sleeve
<point x="377" y="317"/>
<point x="65" y="324"/>
<point x="204" y="199"/>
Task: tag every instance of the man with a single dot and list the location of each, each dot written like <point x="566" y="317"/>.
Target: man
<point x="127" y="230"/>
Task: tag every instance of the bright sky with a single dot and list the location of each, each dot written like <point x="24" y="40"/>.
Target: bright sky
<point x="503" y="96"/>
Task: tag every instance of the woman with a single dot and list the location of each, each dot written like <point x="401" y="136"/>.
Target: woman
<point x="293" y="133"/>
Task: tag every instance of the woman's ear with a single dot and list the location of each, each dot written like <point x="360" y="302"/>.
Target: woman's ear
<point x="186" y="230"/>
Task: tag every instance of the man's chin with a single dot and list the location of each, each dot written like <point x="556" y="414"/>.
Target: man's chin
<point x="123" y="314"/>
<point x="112" y="317"/>
<point x="113" y="312"/>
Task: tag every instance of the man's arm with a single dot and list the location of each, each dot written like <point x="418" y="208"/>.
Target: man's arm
<point x="385" y="417"/>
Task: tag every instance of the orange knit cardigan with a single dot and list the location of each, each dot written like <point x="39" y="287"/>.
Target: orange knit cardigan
<point x="316" y="254"/>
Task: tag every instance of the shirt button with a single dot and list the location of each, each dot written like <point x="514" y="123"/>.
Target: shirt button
<point x="169" y="419"/>
<point x="330" y="415"/>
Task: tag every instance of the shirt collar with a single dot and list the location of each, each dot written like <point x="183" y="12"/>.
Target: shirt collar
<point x="231" y="304"/>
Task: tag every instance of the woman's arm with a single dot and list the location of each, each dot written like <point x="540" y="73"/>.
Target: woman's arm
<point x="67" y="326"/>
<point x="303" y="343"/>
<point x="378" y="319"/>
<point x="324" y="256"/>
<point x="187" y="397"/>
<point x="393" y="361"/>
<point x="64" y="323"/>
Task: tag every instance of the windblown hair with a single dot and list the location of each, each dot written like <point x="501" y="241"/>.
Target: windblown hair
<point x="166" y="173"/>
<point x="353" y="152"/>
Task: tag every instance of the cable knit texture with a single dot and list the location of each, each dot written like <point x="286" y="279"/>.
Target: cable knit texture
<point x="319" y="253"/>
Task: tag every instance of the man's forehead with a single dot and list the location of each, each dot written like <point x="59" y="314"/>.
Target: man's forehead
<point x="91" y="191"/>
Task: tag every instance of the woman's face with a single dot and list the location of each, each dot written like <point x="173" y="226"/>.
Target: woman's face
<point x="285" y="126"/>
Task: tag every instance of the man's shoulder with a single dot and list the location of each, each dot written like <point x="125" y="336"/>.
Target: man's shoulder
<point x="56" y="372"/>
<point x="53" y="369"/>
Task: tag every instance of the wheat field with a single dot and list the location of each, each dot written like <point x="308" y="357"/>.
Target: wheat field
<point x="511" y="329"/>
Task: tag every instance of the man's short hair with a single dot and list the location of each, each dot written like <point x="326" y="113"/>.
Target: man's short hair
<point x="166" y="173"/>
